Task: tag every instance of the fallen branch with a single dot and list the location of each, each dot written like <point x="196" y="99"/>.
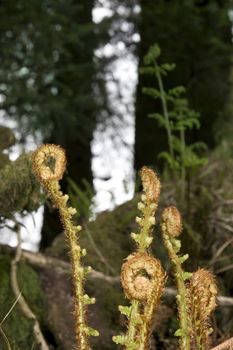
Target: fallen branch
<point x="63" y="267"/>
<point x="228" y="344"/>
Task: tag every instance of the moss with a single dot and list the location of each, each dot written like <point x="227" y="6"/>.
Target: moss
<point x="104" y="314"/>
<point x="110" y="297"/>
<point x="4" y="160"/>
<point x="19" y="189"/>
<point x="29" y="283"/>
<point x="7" y="138"/>
<point x="18" y="328"/>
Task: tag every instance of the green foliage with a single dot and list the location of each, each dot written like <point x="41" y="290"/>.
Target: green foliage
<point x="196" y="35"/>
<point x="177" y="119"/>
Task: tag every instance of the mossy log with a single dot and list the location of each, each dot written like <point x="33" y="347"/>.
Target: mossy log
<point x="47" y="289"/>
<point x="46" y="285"/>
<point x="19" y="190"/>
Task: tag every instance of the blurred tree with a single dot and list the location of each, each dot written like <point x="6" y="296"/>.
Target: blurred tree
<point x="47" y="73"/>
<point x="196" y="36"/>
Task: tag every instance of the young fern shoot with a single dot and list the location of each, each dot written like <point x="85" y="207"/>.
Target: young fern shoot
<point x="171" y="229"/>
<point x="49" y="162"/>
<point x="202" y="292"/>
<point x="142" y="275"/>
<point x="195" y="299"/>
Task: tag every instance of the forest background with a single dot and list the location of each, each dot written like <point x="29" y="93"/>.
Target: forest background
<point x="56" y="77"/>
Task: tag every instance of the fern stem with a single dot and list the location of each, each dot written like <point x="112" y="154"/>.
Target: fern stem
<point x="142" y="276"/>
<point x="183" y="168"/>
<point x="181" y="296"/>
<point x="165" y="110"/>
<point x="77" y="269"/>
<point x="132" y="329"/>
<point x="49" y="163"/>
<point x="171" y="228"/>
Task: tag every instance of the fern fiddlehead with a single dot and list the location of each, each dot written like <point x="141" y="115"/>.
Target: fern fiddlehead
<point x="49" y="163"/>
<point x="142" y="275"/>
<point x="202" y="292"/>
